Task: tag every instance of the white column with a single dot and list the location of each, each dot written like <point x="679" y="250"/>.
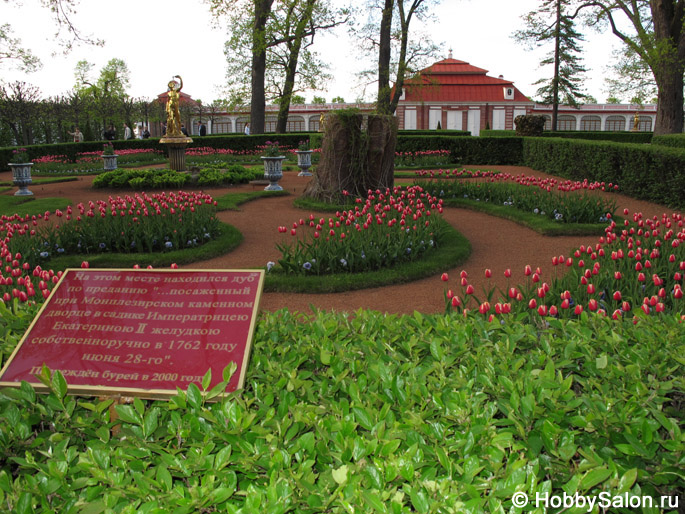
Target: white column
<point x="209" y="127"/>
<point x="578" y="117"/>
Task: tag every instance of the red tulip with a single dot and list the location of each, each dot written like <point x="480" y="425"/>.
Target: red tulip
<point x="590" y="289"/>
<point x="445" y="277"/>
<point x="488" y="273"/>
<point x="617" y="296"/>
<point x="527" y="271"/>
<point x="542" y="310"/>
<point x="553" y="311"/>
<point x="592" y="305"/>
<point x="578" y="310"/>
<point x="507" y="273"/>
<point x="532" y="303"/>
<point x="484" y="307"/>
<point x="456" y="302"/>
<point x="469" y="289"/>
<point x="678" y="293"/>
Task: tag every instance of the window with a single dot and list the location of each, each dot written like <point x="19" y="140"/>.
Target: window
<point x="645" y="124"/>
<point x="591" y="123"/>
<point x="615" y="123"/>
<point x="295" y="124"/>
<point x="410" y="119"/>
<point x="221" y="128"/>
<point x="566" y="122"/>
<point x="548" y="122"/>
<point x="314" y="123"/>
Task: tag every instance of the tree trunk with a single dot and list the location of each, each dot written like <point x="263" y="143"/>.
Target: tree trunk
<point x="258" y="100"/>
<point x="383" y="100"/>
<point x="381" y="153"/>
<point x="668" y="17"/>
<point x="557" y="59"/>
<point x="340" y="158"/>
<point x="353" y="160"/>
<point x="669" y="112"/>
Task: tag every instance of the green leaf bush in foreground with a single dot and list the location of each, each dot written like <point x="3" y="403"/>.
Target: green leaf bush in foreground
<point x="371" y="413"/>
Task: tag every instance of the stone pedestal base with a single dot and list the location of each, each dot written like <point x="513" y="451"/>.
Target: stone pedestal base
<point x="177" y="151"/>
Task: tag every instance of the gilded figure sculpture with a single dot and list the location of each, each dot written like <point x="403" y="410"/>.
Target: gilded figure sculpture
<point x="173" y="124"/>
<point x="636" y="121"/>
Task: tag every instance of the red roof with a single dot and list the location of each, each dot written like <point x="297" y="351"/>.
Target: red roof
<point x="164" y="97"/>
<point x="451" y="80"/>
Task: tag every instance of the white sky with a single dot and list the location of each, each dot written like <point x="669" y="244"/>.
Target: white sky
<point x="161" y="38"/>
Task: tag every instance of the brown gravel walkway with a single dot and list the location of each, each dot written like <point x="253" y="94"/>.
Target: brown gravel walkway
<point x="496" y="244"/>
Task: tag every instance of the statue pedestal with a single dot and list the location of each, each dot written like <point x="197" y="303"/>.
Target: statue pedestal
<point x="177" y="151"/>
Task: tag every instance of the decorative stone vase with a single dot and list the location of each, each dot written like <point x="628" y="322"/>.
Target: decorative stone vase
<point x="304" y="161"/>
<point x="273" y="172"/>
<point x="110" y="161"/>
<point x="21" y="175"/>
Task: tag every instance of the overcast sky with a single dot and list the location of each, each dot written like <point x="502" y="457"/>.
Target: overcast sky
<point x="161" y="38"/>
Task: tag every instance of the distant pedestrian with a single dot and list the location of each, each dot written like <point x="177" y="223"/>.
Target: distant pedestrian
<point x="201" y="129"/>
<point x="146" y="133"/>
<point x="247" y="129"/>
<point x="184" y="130"/>
<point x="164" y="129"/>
<point x="77" y="135"/>
<point x="127" y="132"/>
<point x="110" y="134"/>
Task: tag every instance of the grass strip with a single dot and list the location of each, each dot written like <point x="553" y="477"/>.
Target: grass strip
<point x="539" y="224"/>
<point x="41" y="181"/>
<point x="30" y="205"/>
<point x="454" y="249"/>
<point x="229" y="239"/>
<point x="231" y="201"/>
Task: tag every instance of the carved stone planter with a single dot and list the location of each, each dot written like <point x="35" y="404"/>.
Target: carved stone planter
<point x="21" y="175"/>
<point x="110" y="162"/>
<point x="273" y="172"/>
<point x="304" y="161"/>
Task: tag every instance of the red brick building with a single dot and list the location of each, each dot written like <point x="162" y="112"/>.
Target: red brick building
<point x="460" y="96"/>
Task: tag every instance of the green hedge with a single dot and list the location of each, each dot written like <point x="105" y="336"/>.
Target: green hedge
<point x="618" y="137"/>
<point x="450" y="133"/>
<point x="675" y="140"/>
<point x="656" y="174"/>
<point x="234" y="141"/>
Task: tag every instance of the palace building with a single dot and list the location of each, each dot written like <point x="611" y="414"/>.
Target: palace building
<point x="454" y="95"/>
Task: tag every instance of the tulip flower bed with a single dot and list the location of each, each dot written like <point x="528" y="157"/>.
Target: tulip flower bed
<point x="221" y="156"/>
<point x="380" y="231"/>
<point x="132" y="224"/>
<point x="562" y="202"/>
<point x="370" y="413"/>
<point x="91" y="162"/>
<point x="636" y="268"/>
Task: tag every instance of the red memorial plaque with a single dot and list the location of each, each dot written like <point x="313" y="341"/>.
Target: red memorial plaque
<point x="141" y="332"/>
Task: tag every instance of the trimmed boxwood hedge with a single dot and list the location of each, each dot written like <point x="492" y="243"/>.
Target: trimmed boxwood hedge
<point x="675" y="140"/>
<point x="652" y="173"/>
<point x="618" y="137"/>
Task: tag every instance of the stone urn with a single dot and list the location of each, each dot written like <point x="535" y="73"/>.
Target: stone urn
<point x="304" y="161"/>
<point x="110" y="161"/>
<point x="21" y="175"/>
<point x="273" y="172"/>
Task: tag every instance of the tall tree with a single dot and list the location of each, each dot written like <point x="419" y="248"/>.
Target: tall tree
<point x="658" y="37"/>
<point x="553" y="23"/>
<point x="19" y="103"/>
<point x="271" y="40"/>
<point x="398" y="52"/>
<point x="108" y="93"/>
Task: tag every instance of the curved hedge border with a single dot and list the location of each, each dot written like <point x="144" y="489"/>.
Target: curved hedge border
<point x="229" y="239"/>
<point x="674" y="140"/>
<point x="453" y="250"/>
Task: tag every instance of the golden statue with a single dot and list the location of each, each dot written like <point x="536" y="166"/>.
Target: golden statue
<point x="636" y="121"/>
<point x="322" y="122"/>
<point x="173" y="124"/>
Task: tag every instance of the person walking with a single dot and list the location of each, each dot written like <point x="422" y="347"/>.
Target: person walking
<point x="127" y="132"/>
<point x="247" y="129"/>
<point x="110" y="133"/>
<point x="201" y="129"/>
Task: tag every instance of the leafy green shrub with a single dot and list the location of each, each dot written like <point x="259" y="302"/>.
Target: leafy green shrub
<point x="373" y="414"/>
<point x="217" y="175"/>
<point x="140" y="179"/>
<point x="529" y="125"/>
